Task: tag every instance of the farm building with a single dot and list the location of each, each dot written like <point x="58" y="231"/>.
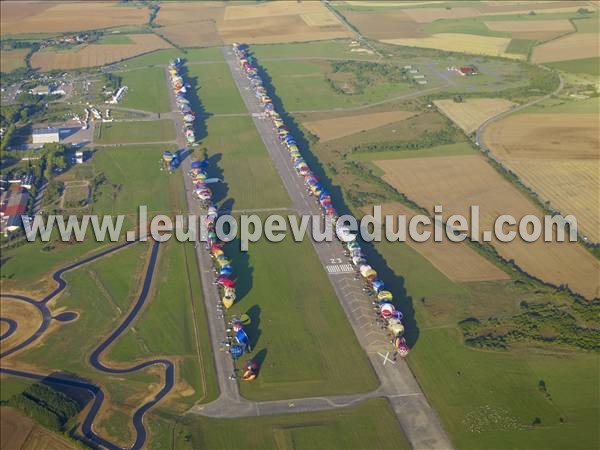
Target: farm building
<point x="13" y="205"/>
<point x="45" y="135"/>
<point x="41" y="90"/>
<point x="464" y="70"/>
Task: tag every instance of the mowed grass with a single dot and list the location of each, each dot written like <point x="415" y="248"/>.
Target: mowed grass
<point x="302" y="85"/>
<point x="298" y="328"/>
<point x="146" y="90"/>
<point x="590" y="66"/>
<point x="370" y="425"/>
<point x="250" y="178"/>
<point x="166" y="326"/>
<point x="134" y="132"/>
<point x="216" y="88"/>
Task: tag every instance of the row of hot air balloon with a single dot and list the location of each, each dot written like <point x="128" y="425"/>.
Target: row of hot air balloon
<point x="180" y="89"/>
<point x="385" y="307"/>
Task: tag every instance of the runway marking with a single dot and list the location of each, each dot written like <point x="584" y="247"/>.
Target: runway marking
<point x="386" y="357"/>
<point x="334" y="269"/>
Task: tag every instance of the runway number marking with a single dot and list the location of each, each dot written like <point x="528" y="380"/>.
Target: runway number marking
<point x="386" y="358"/>
<point x="339" y="268"/>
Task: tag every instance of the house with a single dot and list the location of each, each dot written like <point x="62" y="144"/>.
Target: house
<point x="41" y="90"/>
<point x="13" y="204"/>
<point x="45" y="135"/>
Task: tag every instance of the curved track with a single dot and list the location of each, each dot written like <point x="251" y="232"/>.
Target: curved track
<point x="95" y="357"/>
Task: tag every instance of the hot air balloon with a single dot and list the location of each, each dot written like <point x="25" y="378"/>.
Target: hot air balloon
<point x="395" y="327"/>
<point x="250" y="371"/>
<point x="236" y="351"/>
<point x="400" y="345"/>
<point x="386" y="309"/>
<point x="384" y="295"/>
<point x="377" y="284"/>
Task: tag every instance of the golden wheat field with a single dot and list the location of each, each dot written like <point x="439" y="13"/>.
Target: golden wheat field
<point x="337" y="127"/>
<point x="49" y="17"/>
<point x="557" y="156"/>
<point x="457" y="261"/>
<point x="471" y="113"/>
<point x="457" y="182"/>
<point x="572" y="46"/>
<point x="458" y="42"/>
<point x="97" y="54"/>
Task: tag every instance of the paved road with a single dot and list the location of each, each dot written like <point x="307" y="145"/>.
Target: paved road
<point x="87" y="425"/>
<point x="418" y="420"/>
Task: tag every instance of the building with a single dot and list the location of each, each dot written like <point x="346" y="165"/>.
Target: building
<point x="45" y="135"/>
<point x="41" y="90"/>
<point x="13" y="204"/>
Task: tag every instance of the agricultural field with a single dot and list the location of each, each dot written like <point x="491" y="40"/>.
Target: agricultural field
<point x="19" y="432"/>
<point x="532" y="145"/>
<point x="590" y="66"/>
<point x="337" y="127"/>
<point x="456" y="182"/>
<point x="469" y="114"/>
<point x="572" y="47"/>
<point x="457" y="261"/>
<point x="48" y="17"/>
<point x="12" y="59"/>
<point x="145" y="90"/>
<point x="134" y="132"/>
<point x="458" y="42"/>
<point x="94" y="55"/>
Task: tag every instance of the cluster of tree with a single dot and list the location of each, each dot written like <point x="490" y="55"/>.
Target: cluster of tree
<point x="539" y="322"/>
<point x="366" y="73"/>
<point x="45" y="405"/>
<point x="111" y="81"/>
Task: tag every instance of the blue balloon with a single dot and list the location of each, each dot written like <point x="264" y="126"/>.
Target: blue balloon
<point x="236" y="351"/>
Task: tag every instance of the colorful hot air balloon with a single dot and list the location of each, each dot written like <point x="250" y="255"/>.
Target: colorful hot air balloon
<point x="236" y="351"/>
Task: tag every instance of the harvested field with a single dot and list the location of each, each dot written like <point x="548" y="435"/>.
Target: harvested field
<point x="28" y="320"/>
<point x="97" y="54"/>
<point x="19" y="432"/>
<point x="176" y="13"/>
<point x="512" y="26"/>
<point x="427" y="15"/>
<point x="542" y="30"/>
<point x="534" y="147"/>
<point x="12" y="59"/>
<point x="394" y="24"/>
<point x="267" y="30"/>
<point x="198" y="34"/>
<point x="457" y="182"/>
<point x="49" y="17"/>
<point x="387" y="4"/>
<point x="573" y="46"/>
<point x="457" y="261"/>
<point x="471" y="113"/>
<point x="320" y="19"/>
<point x="272" y="9"/>
<point x="525" y="7"/>
<point x="337" y="127"/>
<point x="458" y="42"/>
